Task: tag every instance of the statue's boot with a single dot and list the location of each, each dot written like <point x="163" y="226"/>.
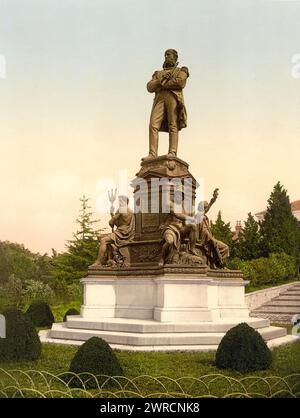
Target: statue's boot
<point x="173" y="144"/>
<point x="150" y="156"/>
<point x="153" y="145"/>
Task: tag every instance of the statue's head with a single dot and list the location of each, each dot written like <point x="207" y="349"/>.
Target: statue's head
<point x="203" y="206"/>
<point x="171" y="57"/>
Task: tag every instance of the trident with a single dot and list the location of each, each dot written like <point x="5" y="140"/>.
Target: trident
<point x="112" y="197"/>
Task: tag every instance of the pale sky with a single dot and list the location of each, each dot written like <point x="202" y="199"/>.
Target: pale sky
<point x="74" y="108"/>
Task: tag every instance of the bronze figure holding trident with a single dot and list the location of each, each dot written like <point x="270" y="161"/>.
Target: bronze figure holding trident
<point x="112" y="246"/>
<point x="112" y="195"/>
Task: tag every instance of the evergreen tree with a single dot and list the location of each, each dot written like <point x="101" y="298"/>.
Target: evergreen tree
<point x="81" y="250"/>
<point x="4" y="265"/>
<point x="279" y="227"/>
<point x="222" y="231"/>
<point x="248" y="245"/>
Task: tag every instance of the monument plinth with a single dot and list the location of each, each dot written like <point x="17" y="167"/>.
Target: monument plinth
<point x="159" y="281"/>
<point x="167" y="294"/>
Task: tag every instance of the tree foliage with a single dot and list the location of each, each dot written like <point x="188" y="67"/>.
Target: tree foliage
<point x="14" y="290"/>
<point x="4" y="265"/>
<point x="20" y="262"/>
<point x="276" y="268"/>
<point x="279" y="227"/>
<point x="24" y="276"/>
<point x="222" y="231"/>
<point x="81" y="250"/>
<point x="248" y="245"/>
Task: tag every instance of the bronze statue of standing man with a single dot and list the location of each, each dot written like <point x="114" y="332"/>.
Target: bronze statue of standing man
<point x="168" y="111"/>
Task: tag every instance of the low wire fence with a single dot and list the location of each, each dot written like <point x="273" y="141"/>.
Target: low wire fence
<point x="42" y="384"/>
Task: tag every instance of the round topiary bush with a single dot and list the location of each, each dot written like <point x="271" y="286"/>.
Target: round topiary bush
<point x="22" y="342"/>
<point x="244" y="350"/>
<point x="71" y="311"/>
<point x="95" y="357"/>
<point x="40" y="314"/>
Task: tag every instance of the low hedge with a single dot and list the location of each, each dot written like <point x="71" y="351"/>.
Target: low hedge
<point x="243" y="349"/>
<point x="40" y="314"/>
<point x="94" y="357"/>
<point x="264" y="271"/>
<point x="22" y="342"/>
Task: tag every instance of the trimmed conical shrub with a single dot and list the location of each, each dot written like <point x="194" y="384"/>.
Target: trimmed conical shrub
<point x="40" y="314"/>
<point x="71" y="311"/>
<point x="22" y="342"/>
<point x="244" y="350"/>
<point x="97" y="358"/>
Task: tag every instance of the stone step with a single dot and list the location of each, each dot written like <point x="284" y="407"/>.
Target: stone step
<point x="290" y="293"/>
<point x="287" y="339"/>
<point x="44" y="337"/>
<point x="272" y="332"/>
<point x="289" y="302"/>
<point x="287" y="297"/>
<point x="278" y="318"/>
<point x="277" y="309"/>
<point x="60" y="331"/>
<point x="150" y="326"/>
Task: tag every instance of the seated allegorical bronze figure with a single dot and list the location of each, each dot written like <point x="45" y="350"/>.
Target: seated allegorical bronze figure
<point x="182" y="235"/>
<point x="112" y="247"/>
<point x="175" y="230"/>
<point x="215" y="251"/>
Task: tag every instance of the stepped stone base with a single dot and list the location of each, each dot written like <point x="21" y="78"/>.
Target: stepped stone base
<point x="161" y="309"/>
<point x="147" y="335"/>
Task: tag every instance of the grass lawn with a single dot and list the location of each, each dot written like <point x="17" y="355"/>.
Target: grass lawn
<point x="56" y="359"/>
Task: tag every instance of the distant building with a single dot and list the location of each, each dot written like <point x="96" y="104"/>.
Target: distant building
<point x="237" y="231"/>
<point x="295" y="207"/>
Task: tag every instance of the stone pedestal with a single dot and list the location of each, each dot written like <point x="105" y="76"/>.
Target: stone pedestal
<point x="162" y="309"/>
<point x="168" y="294"/>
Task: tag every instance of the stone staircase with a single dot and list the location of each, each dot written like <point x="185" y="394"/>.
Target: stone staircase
<point x="282" y="308"/>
